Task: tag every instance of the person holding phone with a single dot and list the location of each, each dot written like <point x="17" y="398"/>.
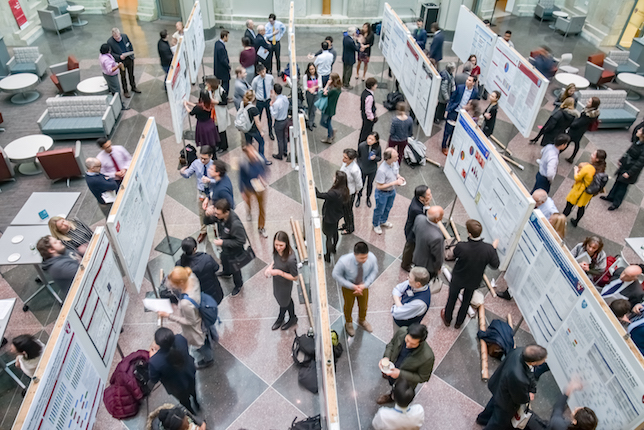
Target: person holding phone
<point x="369" y="154"/>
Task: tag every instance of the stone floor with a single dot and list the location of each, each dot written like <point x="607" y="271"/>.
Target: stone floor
<point x="254" y="371"/>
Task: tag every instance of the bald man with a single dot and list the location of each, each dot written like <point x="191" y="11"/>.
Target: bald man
<point x="100" y="185"/>
<point x="544" y="203"/>
<point x="429" y="240"/>
<point x="625" y="285"/>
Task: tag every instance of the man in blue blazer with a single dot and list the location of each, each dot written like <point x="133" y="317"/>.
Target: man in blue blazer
<point x="458" y="100"/>
<point x="436" y="48"/>
<point x="222" y="63"/>
<point x="349" y="49"/>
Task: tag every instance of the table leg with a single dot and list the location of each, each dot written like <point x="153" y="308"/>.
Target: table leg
<point x="28" y="169"/>
<point x="632" y="95"/>
<point x="78" y="22"/>
<point x="5" y="366"/>
<point x="25" y="97"/>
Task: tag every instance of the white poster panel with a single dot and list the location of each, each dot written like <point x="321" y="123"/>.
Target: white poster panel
<point x="195" y="42"/>
<point x="522" y="87"/>
<point x="393" y="40"/>
<point x="133" y="219"/>
<point x="487" y="187"/>
<point x="178" y="87"/>
<point x="472" y="37"/>
<point x="566" y="316"/>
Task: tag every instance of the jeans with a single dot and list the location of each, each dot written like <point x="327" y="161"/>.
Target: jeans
<point x="447" y="134"/>
<point x="617" y="193"/>
<point x="265" y="104"/>
<point x="541" y="183"/>
<point x="184" y="399"/>
<point x="367" y="180"/>
<point x="325" y="122"/>
<point x="310" y="102"/>
<point x="258" y="137"/>
<point x="166" y="69"/>
<point x="439" y="115"/>
<point x="384" y="202"/>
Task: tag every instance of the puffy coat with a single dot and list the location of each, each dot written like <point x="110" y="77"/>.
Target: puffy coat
<point x="122" y="397"/>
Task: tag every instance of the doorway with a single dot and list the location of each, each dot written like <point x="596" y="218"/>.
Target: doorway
<point x="635" y="26"/>
<point x="169" y="9"/>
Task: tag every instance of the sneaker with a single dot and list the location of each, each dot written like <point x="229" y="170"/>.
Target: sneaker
<point x="203" y="364"/>
<point x="290" y="323"/>
<point x="268" y="163"/>
<point x="505" y="295"/>
<point x="377" y="229"/>
<point x="348" y="327"/>
<point x="224" y="275"/>
<point x="387" y="225"/>
<point x="249" y="216"/>
<point x="262" y="231"/>
<point x="365" y="325"/>
<point x="236" y="291"/>
<point x="574" y="222"/>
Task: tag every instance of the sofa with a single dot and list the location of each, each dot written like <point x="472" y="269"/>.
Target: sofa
<point x="27" y="60"/>
<point x="619" y="62"/>
<point x="80" y="117"/>
<point x="615" y="111"/>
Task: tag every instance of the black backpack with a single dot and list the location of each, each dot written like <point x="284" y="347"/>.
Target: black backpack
<point x="312" y="423"/>
<point x="597" y="184"/>
<point x="393" y="99"/>
<point x="303" y="349"/>
<point x="142" y="376"/>
<point x="187" y="156"/>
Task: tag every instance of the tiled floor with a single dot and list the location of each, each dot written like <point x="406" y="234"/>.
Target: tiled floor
<point x="254" y="383"/>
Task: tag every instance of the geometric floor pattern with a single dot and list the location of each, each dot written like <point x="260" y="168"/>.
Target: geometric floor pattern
<point x="254" y="382"/>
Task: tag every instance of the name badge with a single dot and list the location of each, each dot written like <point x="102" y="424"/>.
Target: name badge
<point x="410" y="293"/>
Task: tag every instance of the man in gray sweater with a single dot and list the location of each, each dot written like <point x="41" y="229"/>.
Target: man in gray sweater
<point x="58" y="262"/>
<point x="429" y="241"/>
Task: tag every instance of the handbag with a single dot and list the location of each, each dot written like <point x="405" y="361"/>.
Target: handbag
<point x="242" y="259"/>
<point x="435" y="285"/>
<point x="594" y="126"/>
<point x="521" y="417"/>
<point x="322" y="103"/>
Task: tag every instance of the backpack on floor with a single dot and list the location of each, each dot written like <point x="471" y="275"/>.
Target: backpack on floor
<point x="242" y="119"/>
<point x="392" y="99"/>
<point x="303" y="349"/>
<point x="597" y="184"/>
<point x="311" y="423"/>
<point x="414" y="153"/>
<point x="207" y="308"/>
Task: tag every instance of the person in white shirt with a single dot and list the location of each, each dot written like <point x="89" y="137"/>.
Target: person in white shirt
<point x="114" y="159"/>
<point x="544" y="203"/>
<point x="507" y="36"/>
<point x="402" y="416"/>
<point x="176" y="36"/>
<point x="28" y="351"/>
<point x="279" y="111"/>
<point x="549" y="162"/>
<point x="324" y="63"/>
<point x="354" y="181"/>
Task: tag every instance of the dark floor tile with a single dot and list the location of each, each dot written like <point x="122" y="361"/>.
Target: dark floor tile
<point x="184" y="191"/>
<point x="289" y="387"/>
<point x="289" y="185"/>
<point x="504" y="131"/>
<point x="44" y="307"/>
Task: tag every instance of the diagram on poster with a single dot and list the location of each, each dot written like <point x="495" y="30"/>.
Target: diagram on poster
<point x="194" y="39"/>
<point x="410" y="65"/>
<point x="178" y="87"/>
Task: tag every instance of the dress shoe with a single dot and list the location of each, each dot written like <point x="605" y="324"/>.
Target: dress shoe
<point x="368" y="203"/>
<point x="606" y="198"/>
<point x="444" y="151"/>
<point x="310" y="127"/>
<point x="365" y="325"/>
<point x="271" y="136"/>
<point x="447" y="323"/>
<point x="277" y="156"/>
<point x="533" y="141"/>
<point x="136" y="90"/>
<point x="570" y="160"/>
<point x="505" y="295"/>
<point x="278" y="323"/>
<point x="236" y="291"/>
<point x="201" y="237"/>
<point x="358" y="202"/>
<point x="203" y="364"/>
<point x="290" y="323"/>
<point x="126" y="95"/>
<point x="384" y="399"/>
<point x="612" y="207"/>
<point x="457" y="325"/>
<point x="223" y="275"/>
<point x="125" y="108"/>
<point x="574" y="222"/>
<point x="348" y="327"/>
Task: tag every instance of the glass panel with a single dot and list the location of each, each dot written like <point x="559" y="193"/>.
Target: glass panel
<point x="635" y="26"/>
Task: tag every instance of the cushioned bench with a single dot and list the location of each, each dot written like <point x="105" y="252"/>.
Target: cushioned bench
<point x="615" y="111"/>
<point x="80" y="117"/>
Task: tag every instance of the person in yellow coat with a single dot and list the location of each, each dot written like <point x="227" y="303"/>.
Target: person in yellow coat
<point x="584" y="174"/>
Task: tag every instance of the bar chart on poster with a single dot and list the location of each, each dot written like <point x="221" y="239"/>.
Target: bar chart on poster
<point x="194" y="39"/>
<point x="178" y="86"/>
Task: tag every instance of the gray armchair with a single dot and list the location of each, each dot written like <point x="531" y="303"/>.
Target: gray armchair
<point x="27" y="60"/>
<point x="50" y="21"/>
<point x="544" y="10"/>
<point x="59" y="5"/>
<point x="619" y="62"/>
<point x="65" y="80"/>
<point x="572" y="25"/>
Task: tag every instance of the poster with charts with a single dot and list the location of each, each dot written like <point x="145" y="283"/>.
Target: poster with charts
<point x="194" y="39"/>
<point x="178" y="87"/>
<point x="473" y="37"/>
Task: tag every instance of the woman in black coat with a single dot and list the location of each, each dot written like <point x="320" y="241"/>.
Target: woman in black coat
<point x="171" y="363"/>
<point x="489" y="116"/>
<point x="333" y="211"/>
<point x="580" y="125"/>
<point x="202" y="265"/>
<point x="369" y="155"/>
<point x="558" y="123"/>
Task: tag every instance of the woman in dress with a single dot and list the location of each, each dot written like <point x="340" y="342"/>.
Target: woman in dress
<point x="489" y="116"/>
<point x="206" y="133"/>
<point x="581" y="125"/>
<point x="594" y="247"/>
<point x="569" y="91"/>
<point x="311" y="85"/>
<point x="333" y="211"/>
<point x="332" y="91"/>
<point x="401" y="128"/>
<point x="73" y="233"/>
<point x="558" y="123"/>
<point x="283" y="270"/>
<point x="247" y="58"/>
<point x="366" y="41"/>
<point x="222" y="119"/>
<point x="369" y="155"/>
<point x="584" y="174"/>
<point x="27" y="349"/>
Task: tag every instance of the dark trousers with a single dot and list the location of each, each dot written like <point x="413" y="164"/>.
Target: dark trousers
<point x="184" y="399"/>
<point x="399" y="145"/>
<point x="440" y="111"/>
<point x="226" y="86"/>
<point x="407" y="255"/>
<point x="365" y="131"/>
<point x="348" y="215"/>
<point x="223" y="140"/>
<point x="275" y="51"/>
<point x="226" y="268"/>
<point x="447" y="134"/>
<point x="258" y="137"/>
<point x="310" y="102"/>
<point x="290" y="308"/>
<point x="580" y="210"/>
<point x="494" y="417"/>
<point x="330" y="230"/>
<point x="280" y="133"/>
<point x="541" y="183"/>
<point x="617" y="193"/>
<point x="575" y="150"/>
<point x="266" y="104"/>
<point x="367" y="180"/>
<point x="451" y="303"/>
<point x="129" y="70"/>
<point x="347" y="69"/>
<point x="325" y="79"/>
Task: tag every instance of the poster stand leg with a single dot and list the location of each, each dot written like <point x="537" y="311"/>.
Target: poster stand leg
<point x="382" y="84"/>
<point x="120" y="351"/>
<point x="492" y="24"/>
<point x="451" y="211"/>
<point x="291" y="139"/>
<point x="169" y="245"/>
<point x="154" y="287"/>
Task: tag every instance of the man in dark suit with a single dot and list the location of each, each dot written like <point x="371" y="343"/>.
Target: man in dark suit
<point x="349" y="49"/>
<point x="99" y="184"/>
<point x="436" y="48"/>
<point x="121" y="46"/>
<point x="422" y="197"/>
<point x="260" y="42"/>
<point x="512" y="385"/>
<point x="630" y="167"/>
<point x="250" y="30"/>
<point x="624" y="284"/>
<point x="429" y="241"/>
<point x="458" y="100"/>
<point x="222" y="63"/>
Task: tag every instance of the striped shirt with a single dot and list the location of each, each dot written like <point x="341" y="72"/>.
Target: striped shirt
<point x="78" y="236"/>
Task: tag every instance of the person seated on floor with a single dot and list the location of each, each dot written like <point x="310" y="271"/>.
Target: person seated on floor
<point x="28" y="350"/>
<point x="58" y="262"/>
<point x="411" y="298"/>
<point x="402" y="415"/>
<point x="544" y="203"/>
<point x="73" y="233"/>
<point x="591" y="256"/>
<point x="582" y="418"/>
<point x="625" y="285"/>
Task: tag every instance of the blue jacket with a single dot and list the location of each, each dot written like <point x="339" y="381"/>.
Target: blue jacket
<point x="222" y="189"/>
<point x="349" y="49"/>
<point x="421" y="37"/>
<point x="98" y="184"/>
<point x="222" y="63"/>
<point x="455" y="99"/>
<point x="436" y="48"/>
<point x="500" y="333"/>
<point x="176" y="381"/>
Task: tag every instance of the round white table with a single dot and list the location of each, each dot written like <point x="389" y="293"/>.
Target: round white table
<point x="633" y="83"/>
<point x="566" y="79"/>
<point x="23" y="152"/>
<point x="75" y="11"/>
<point x="95" y="85"/>
<point x="557" y="13"/>
<point x="22" y="85"/>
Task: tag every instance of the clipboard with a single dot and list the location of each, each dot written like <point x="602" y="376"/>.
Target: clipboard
<point x="262" y="52"/>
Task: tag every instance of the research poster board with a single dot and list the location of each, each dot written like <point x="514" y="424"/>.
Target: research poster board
<point x="487" y="187"/>
<point x="133" y="219"/>
<point x="393" y="40"/>
<point x="472" y="37"/>
<point x="522" y="86"/>
<point x="195" y="42"/>
<point x="178" y="87"/>
<point x="567" y="316"/>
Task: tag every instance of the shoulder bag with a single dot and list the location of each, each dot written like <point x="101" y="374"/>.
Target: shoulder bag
<point x="242" y="259"/>
<point x="521" y="417"/>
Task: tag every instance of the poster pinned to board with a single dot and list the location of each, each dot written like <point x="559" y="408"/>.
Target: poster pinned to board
<point x="195" y="42"/>
<point x="178" y="87"/>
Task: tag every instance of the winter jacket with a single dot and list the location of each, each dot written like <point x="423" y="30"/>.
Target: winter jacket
<point x="122" y="397"/>
<point x="577" y="196"/>
<point x="447" y="86"/>
<point x="499" y="333"/>
<point x="631" y="162"/>
<point x="580" y="125"/>
<point x="557" y="124"/>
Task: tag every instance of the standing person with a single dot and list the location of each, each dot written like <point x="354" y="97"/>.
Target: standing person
<point x="447" y="88"/>
<point x="28" y="351"/>
<point x="254" y="132"/>
<point x="584" y="174"/>
<point x="203" y="266"/>
<point x="476" y="70"/>
<point x="73" y="233"/>
<point x="461" y="78"/>
<point x="429" y="240"/>
<point x="232" y="238"/>
<point x="369" y="155"/>
<point x="165" y="53"/>
<point x="248" y="58"/>
<point x="411" y="298"/>
<point x="420" y="34"/>
<point x="472" y="257"/>
<point x="324" y="64"/>
<point x="262" y="85"/>
<point x="458" y="101"/>
<point x="274" y="32"/>
<point x="630" y="167"/>
<point x="241" y="86"/>
<point x="402" y="415"/>
<point x="220" y="187"/>
<point x="206" y="133"/>
<point x="569" y="91"/>
<point x="332" y="90"/>
<point x="581" y="125"/>
<point x="349" y="49"/>
<point x="189" y="317"/>
<point x="178" y="34"/>
<point x="436" y="48"/>
<point x="368" y="108"/>
<point x="58" y="262"/>
<point x="355" y="272"/>
<point x="283" y="270"/>
<point x="311" y="85"/>
<point x="221" y="65"/>
<point x="412" y="357"/>
<point x="102" y="187"/>
<point x="262" y="48"/>
<point x="115" y="159"/>
<point x="418" y="205"/>
<point x="123" y="52"/>
<point x="110" y="69"/>
<point x="365" y="50"/>
<point x="549" y="162"/>
<point x="250" y="30"/>
<point x="557" y="123"/>
<point x="489" y="115"/>
<point x="219" y="98"/>
<point x="333" y="209"/>
<point x="354" y="181"/>
<point x="387" y="178"/>
<point x="331" y="49"/>
<point x="279" y="110"/>
<point x="199" y="168"/>
<point x="252" y="183"/>
<point x="402" y="127"/>
<point x="512" y="385"/>
<point x="170" y="363"/>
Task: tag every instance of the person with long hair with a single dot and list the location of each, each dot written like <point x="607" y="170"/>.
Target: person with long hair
<point x="73" y="233"/>
<point x="402" y="127"/>
<point x="171" y="364"/>
<point x="203" y="266"/>
<point x="283" y="270"/>
<point x="28" y="350"/>
<point x="558" y="222"/>
<point x="366" y="41"/>
<point x="311" y="85"/>
<point x="219" y="98"/>
<point x="581" y="418"/>
<point x="557" y="123"/>
<point x="206" y="131"/>
<point x="248" y="58"/>
<point x="332" y="90"/>
<point x="369" y="155"/>
<point x="476" y="69"/>
<point x="584" y="174"/>
<point x="581" y="125"/>
<point x="333" y="209"/>
<point x="489" y="115"/>
<point x="594" y="247"/>
<point x="255" y="131"/>
<point x="569" y="91"/>
<point x="354" y="181"/>
<point x="252" y="183"/>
